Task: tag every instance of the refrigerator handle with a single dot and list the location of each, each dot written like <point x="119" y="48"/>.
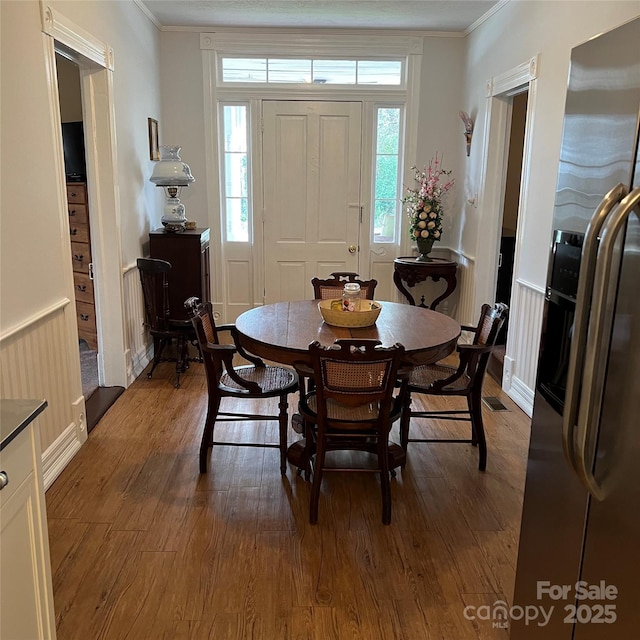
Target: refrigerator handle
<point x="604" y="290"/>
<point x="581" y="320"/>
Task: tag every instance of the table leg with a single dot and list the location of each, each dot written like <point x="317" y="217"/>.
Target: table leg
<point x="401" y="288"/>
<point x="451" y="285"/>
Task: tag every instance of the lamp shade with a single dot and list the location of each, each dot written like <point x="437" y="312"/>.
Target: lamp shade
<point x="170" y="171"/>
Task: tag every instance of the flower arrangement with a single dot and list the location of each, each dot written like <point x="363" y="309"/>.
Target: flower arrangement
<point x="424" y="203"/>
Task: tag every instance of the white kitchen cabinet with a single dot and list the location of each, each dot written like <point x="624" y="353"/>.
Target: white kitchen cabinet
<point x="26" y="594"/>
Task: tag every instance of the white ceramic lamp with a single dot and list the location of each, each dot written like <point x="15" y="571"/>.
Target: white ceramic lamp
<point x="172" y="174"/>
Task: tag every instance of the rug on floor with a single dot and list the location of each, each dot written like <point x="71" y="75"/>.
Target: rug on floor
<point x="88" y="369"/>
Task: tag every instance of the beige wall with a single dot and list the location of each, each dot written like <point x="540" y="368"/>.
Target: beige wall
<point x="514" y="165"/>
<point x="29" y="145"/>
<point x="69" y="90"/>
<point x="37" y="319"/>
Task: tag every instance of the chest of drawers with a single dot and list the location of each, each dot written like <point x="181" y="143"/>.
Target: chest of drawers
<point x="80" y="236"/>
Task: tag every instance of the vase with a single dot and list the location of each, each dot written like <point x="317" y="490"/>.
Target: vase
<point x="424" y="249"/>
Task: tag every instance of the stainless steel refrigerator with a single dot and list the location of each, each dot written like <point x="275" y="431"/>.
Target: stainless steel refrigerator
<point x="579" y="551"/>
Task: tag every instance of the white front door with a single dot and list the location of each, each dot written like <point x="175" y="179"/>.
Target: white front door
<point x="311" y="159"/>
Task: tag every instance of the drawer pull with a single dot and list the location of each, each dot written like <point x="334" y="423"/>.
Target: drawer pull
<point x="78" y="257"/>
<point x="81" y="287"/>
<point x="74" y="194"/>
<point x="73" y="232"/>
<point x="72" y="212"/>
<point x="4" y="479"/>
<point x="84" y="317"/>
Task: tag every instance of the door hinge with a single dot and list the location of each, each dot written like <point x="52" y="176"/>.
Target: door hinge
<point x="499" y="260"/>
<point x="361" y="214"/>
<point x="91" y="271"/>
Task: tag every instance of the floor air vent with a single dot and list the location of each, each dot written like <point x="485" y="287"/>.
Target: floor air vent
<point x="494" y="404"/>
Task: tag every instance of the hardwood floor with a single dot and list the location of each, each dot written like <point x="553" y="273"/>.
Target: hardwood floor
<point x="142" y="546"/>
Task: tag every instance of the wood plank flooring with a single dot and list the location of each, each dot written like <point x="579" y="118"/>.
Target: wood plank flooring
<point x="143" y="546"/>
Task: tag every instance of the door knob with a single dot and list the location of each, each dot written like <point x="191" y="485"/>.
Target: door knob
<point x="352" y="248"/>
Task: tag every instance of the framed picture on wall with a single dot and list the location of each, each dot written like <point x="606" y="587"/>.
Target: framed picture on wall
<point x="154" y="149"/>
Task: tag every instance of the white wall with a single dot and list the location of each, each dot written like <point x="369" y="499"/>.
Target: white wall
<point x="516" y="33"/>
<point x="182" y="118"/>
<point x="440" y="128"/>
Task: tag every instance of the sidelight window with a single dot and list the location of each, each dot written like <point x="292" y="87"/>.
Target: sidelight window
<point x="235" y="183"/>
<point x="386" y="182"/>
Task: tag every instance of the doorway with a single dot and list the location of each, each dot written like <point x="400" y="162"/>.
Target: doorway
<point x="510" y="210"/>
<point x="312" y="163"/>
<point x="73" y="142"/>
<point x="98" y="398"/>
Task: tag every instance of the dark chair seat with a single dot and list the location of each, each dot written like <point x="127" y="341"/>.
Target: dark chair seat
<point x="424" y="376"/>
<point x="344" y="414"/>
<point x="271" y="380"/>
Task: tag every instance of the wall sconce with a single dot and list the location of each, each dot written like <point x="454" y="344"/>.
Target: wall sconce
<point x="172" y="174"/>
<point x="468" y="129"/>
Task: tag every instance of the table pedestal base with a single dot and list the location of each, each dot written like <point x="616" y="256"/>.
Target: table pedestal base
<point x="299" y="455"/>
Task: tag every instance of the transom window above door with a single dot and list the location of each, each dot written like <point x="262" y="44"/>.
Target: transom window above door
<point x="304" y="71"/>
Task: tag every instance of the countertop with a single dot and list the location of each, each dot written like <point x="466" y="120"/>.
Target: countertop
<point x="15" y="415"/>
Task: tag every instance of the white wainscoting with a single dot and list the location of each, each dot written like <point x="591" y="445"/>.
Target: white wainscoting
<point x="523" y="342"/>
<point x="140" y="346"/>
<point x="35" y="362"/>
<point x="467" y="311"/>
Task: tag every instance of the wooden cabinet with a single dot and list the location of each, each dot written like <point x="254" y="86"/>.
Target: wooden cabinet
<point x="26" y="596"/>
<point x="79" y="234"/>
<point x="188" y="253"/>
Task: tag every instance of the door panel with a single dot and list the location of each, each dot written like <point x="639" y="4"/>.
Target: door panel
<point x="311" y="160"/>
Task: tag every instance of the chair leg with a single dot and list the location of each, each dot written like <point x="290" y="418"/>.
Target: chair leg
<point x="317" y="481"/>
<point x="182" y="358"/>
<point x="283" y="424"/>
<point x="207" y="434"/>
<point x="158" y="348"/>
<point x="309" y="449"/>
<point x="405" y="419"/>
<point x="385" y="482"/>
<point x="474" y="402"/>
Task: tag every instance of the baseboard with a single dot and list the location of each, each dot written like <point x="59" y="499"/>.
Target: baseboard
<point x="58" y="455"/>
<point x="521" y="395"/>
<point x="139" y="362"/>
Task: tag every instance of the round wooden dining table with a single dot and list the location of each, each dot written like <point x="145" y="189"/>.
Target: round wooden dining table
<point x="282" y="332"/>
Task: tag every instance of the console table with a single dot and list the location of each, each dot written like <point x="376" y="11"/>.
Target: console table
<point x="408" y="270"/>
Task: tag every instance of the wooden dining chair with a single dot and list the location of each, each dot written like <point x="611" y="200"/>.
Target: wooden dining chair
<point x="226" y="380"/>
<point x="465" y="381"/>
<point x="163" y="329"/>
<point x="332" y="287"/>
<point x="351" y="407"/>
